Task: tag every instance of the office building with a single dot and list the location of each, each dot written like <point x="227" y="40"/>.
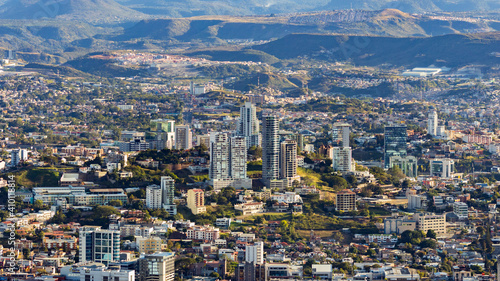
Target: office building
<point x="288" y="162"/>
<point x="154" y="197"/>
<point x="156" y="267"/>
<point x="427" y="221"/>
<point x="342" y="159"/>
<point x="103" y="274"/>
<point x="248" y="125"/>
<point x="99" y="245"/>
<point x="196" y="201"/>
<point x="250" y="271"/>
<point x="443" y="168"/>
<point x="395" y="138"/>
<point x="183" y="137"/>
<point x="341" y="133"/>
<point x="461" y="210"/>
<point x="228" y="164"/>
<point x="168" y="189"/>
<point x="270" y="149"/>
<point x="255" y="253"/>
<point x="165" y="132"/>
<point x="135" y="144"/>
<point x="432" y="123"/>
<point x="408" y="165"/>
<point x="345" y="200"/>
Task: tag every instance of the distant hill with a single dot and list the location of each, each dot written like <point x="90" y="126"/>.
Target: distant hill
<point x="270" y="80"/>
<point x="189" y="8"/>
<point x="93" y="11"/>
<point x="448" y="50"/>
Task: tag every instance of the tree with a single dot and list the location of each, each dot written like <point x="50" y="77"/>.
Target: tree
<point x="116" y="203"/>
<point x="431" y="234"/>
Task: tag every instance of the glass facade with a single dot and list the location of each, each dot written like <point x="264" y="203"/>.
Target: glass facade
<point x="395" y="138"/>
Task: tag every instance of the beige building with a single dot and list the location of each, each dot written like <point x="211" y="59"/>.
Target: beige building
<point x="196" y="201"/>
<point x="345" y="201"/>
<point x="148" y="245"/>
<point x="426" y="221"/>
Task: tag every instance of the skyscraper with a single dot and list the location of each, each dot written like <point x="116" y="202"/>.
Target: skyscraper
<point x="248" y="125"/>
<point x="168" y="188"/>
<point x="156" y="267"/>
<point x="99" y="245"/>
<point x="228" y="156"/>
<point x="432" y="123"/>
<point x="341" y="133"/>
<point x="394" y="143"/>
<point x="270" y="148"/>
<point x="288" y="161"/>
<point x="183" y="137"/>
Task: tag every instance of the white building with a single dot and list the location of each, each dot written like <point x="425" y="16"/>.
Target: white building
<point x="427" y="221"/>
<point x="342" y="159"/>
<point x="322" y="271"/>
<point x="168" y="188"/>
<point x="417" y="202"/>
<point x="228" y="166"/>
<point x="103" y="274"/>
<point x="154" y="197"/>
<point x="255" y="253"/>
<point x="248" y="125"/>
<point x="443" y="168"/>
<point x="461" y="210"/>
<point x="432" y="123"/>
<point x="92" y="239"/>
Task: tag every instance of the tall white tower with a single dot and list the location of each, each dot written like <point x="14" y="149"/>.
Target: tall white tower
<point x="432" y="123"/>
<point x="248" y="125"/>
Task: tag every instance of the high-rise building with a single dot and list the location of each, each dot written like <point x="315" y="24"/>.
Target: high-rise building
<point x="168" y="188"/>
<point x="154" y="198"/>
<point x="17" y="156"/>
<point x="432" y="123"/>
<point x="238" y="158"/>
<point x="288" y="162"/>
<point x="196" y="201"/>
<point x="255" y="253"/>
<point x="443" y="168"/>
<point x="165" y="130"/>
<point x="342" y="159"/>
<point x="345" y="200"/>
<point x="99" y="245"/>
<point x="408" y="165"/>
<point x="270" y="149"/>
<point x="395" y="138"/>
<point x="228" y="156"/>
<point x="341" y="133"/>
<point x="248" y="125"/>
<point x="156" y="267"/>
<point x="183" y="137"/>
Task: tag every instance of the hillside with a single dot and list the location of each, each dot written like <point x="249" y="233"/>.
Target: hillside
<point x="189" y="8"/>
<point x="92" y="11"/>
<point x="269" y="80"/>
<point x="449" y="50"/>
